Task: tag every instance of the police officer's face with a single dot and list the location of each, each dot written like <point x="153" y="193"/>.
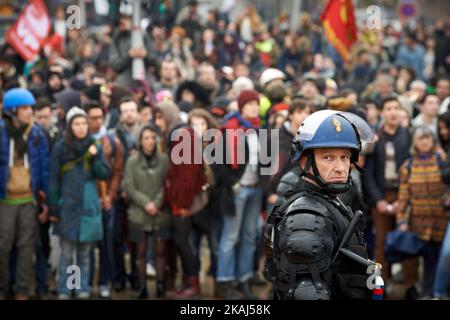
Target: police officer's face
<point x="333" y="164"/>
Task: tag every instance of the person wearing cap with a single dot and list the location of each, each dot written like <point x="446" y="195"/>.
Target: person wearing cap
<point x="77" y="163"/>
<point x="24" y="171"/>
<point x="304" y="262"/>
<point x="108" y="192"/>
<point x="240" y="84"/>
<point x="240" y="227"/>
<point x="272" y="82"/>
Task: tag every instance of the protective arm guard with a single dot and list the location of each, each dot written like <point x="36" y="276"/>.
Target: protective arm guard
<point x="306" y="243"/>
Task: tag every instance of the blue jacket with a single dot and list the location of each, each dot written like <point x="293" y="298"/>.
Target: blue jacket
<point x="38" y="155"/>
<point x="412" y="58"/>
<point x="73" y="196"/>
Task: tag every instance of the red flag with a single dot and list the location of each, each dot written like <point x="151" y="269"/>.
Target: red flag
<point x="339" y="25"/>
<point x="30" y="31"/>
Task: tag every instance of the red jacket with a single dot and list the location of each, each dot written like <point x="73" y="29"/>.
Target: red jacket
<point x="183" y="181"/>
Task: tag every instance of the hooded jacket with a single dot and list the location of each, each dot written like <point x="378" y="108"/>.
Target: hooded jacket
<point x="144" y="183"/>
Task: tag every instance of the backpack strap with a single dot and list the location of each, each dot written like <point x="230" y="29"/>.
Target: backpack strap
<point x="112" y="141"/>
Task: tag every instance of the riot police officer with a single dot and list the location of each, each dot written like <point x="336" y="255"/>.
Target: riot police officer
<point x="308" y="229"/>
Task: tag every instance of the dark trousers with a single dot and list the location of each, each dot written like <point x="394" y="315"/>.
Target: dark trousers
<point x="206" y="223"/>
<point x="120" y="242"/>
<point x="106" y="252"/>
<point x="18" y="228"/>
<point x="42" y="254"/>
<point x="430" y="259"/>
<point x="184" y="240"/>
<point x="41" y="264"/>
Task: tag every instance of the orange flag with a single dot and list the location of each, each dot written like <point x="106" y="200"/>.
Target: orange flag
<point x="339" y="25"/>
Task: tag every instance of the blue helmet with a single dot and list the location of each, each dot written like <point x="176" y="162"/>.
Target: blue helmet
<point x="326" y="129"/>
<point x="329" y="129"/>
<point x="17" y="97"/>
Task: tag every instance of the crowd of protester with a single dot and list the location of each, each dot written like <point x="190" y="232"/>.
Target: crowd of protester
<point x="86" y="171"/>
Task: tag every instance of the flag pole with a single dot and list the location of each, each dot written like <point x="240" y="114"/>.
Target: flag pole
<point x="137" y="41"/>
<point x="295" y="14"/>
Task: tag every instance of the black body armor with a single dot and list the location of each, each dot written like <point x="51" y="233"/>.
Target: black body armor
<point x="302" y="262"/>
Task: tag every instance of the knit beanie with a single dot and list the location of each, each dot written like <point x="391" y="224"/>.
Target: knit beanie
<point x="247" y="96"/>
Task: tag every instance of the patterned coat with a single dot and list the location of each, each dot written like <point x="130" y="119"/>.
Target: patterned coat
<point x="420" y="192"/>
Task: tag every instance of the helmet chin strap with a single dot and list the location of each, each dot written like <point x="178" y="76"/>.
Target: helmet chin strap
<point x="334" y="188"/>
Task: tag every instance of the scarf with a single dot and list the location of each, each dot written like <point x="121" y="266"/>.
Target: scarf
<point x="18" y="134"/>
<point x="235" y="122"/>
<point x="76" y="148"/>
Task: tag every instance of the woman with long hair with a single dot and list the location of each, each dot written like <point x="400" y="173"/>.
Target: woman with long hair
<point x="144" y="181"/>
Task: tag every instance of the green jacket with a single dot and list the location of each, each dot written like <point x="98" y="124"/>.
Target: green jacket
<point x="144" y="182"/>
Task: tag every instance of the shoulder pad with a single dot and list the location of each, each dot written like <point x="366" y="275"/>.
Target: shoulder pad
<point x="307" y="204"/>
<point x="287" y="182"/>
